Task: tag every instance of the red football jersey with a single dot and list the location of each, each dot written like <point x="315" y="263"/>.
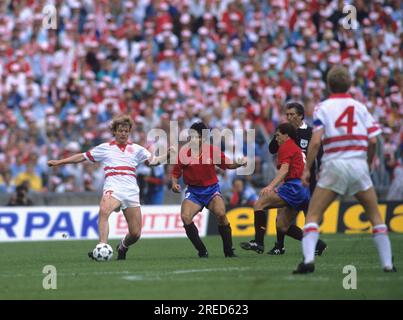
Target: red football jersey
<point x="197" y="173"/>
<point x="290" y="153"/>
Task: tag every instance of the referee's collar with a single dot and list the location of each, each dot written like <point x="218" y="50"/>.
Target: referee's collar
<point x="303" y="125"/>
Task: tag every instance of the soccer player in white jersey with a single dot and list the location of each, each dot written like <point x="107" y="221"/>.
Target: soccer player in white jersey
<point x="120" y="159"/>
<point x="348" y="133"/>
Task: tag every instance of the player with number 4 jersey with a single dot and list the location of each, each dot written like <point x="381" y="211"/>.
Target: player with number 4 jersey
<point x="348" y="134"/>
<point x="348" y="125"/>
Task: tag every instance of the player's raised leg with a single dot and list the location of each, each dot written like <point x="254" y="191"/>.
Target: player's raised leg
<point x="133" y="218"/>
<point x="217" y="207"/>
<point x="188" y="210"/>
<point x="265" y="201"/>
<point x="320" y="201"/>
<point x="368" y="200"/>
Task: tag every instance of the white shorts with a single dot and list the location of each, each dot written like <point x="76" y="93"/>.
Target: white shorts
<point x="127" y="199"/>
<point x="345" y="176"/>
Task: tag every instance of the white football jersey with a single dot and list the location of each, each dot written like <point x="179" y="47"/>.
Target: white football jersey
<point x="119" y="164"/>
<point x="347" y="127"/>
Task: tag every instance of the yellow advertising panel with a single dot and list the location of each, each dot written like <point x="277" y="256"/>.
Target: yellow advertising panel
<point x="342" y="217"/>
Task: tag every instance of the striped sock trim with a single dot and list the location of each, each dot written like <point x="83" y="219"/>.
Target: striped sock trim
<point x="380" y="229"/>
<point x="311" y="227"/>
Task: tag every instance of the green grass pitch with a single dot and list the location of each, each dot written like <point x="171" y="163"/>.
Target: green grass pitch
<point x="170" y="269"/>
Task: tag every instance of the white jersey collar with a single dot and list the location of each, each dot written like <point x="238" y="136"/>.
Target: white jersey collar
<point x="303" y="125"/>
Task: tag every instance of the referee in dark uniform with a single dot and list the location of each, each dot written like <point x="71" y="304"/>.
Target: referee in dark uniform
<point x="295" y="115"/>
<point x="285" y="225"/>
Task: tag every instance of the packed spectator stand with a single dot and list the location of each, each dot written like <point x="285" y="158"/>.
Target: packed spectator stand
<point x="232" y="64"/>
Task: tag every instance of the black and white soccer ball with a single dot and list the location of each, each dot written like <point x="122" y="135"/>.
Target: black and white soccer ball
<point x="102" y="252"/>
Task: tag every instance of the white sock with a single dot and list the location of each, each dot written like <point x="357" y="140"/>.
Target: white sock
<point x="381" y="239"/>
<point x="311" y="236"/>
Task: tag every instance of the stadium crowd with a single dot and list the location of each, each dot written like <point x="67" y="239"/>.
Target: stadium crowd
<point x="232" y="64"/>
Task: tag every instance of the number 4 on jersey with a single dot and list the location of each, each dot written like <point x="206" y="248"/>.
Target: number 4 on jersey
<point x="349" y="122"/>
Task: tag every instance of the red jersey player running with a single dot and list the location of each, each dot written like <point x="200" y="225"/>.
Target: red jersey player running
<point x="120" y="159"/>
<point x="291" y="194"/>
<point x="348" y="133"/>
<point x="203" y="189"/>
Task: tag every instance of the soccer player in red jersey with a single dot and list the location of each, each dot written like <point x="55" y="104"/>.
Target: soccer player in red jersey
<point x="285" y="220"/>
<point x="203" y="190"/>
<point x="291" y="194"/>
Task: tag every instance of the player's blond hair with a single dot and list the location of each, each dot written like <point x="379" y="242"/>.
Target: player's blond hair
<point x="123" y="120"/>
<point x="338" y="80"/>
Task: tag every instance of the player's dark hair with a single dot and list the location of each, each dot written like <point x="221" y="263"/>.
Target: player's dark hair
<point x="199" y="127"/>
<point x="288" y="129"/>
<point x="297" y="106"/>
<point x="124" y="120"/>
<point x="338" y="79"/>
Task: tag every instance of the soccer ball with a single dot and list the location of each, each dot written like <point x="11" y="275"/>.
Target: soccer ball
<point x="102" y="252"/>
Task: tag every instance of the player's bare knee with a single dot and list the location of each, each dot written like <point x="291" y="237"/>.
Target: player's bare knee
<point x="220" y="212"/>
<point x="186" y="219"/>
<point x="104" y="212"/>
<point x="258" y="206"/>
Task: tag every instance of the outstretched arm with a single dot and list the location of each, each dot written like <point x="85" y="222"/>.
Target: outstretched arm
<point x="240" y="162"/>
<point x="176" y="174"/>
<point x="155" y="161"/>
<point x="281" y="174"/>
<point x="77" y="158"/>
<point x="175" y="185"/>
